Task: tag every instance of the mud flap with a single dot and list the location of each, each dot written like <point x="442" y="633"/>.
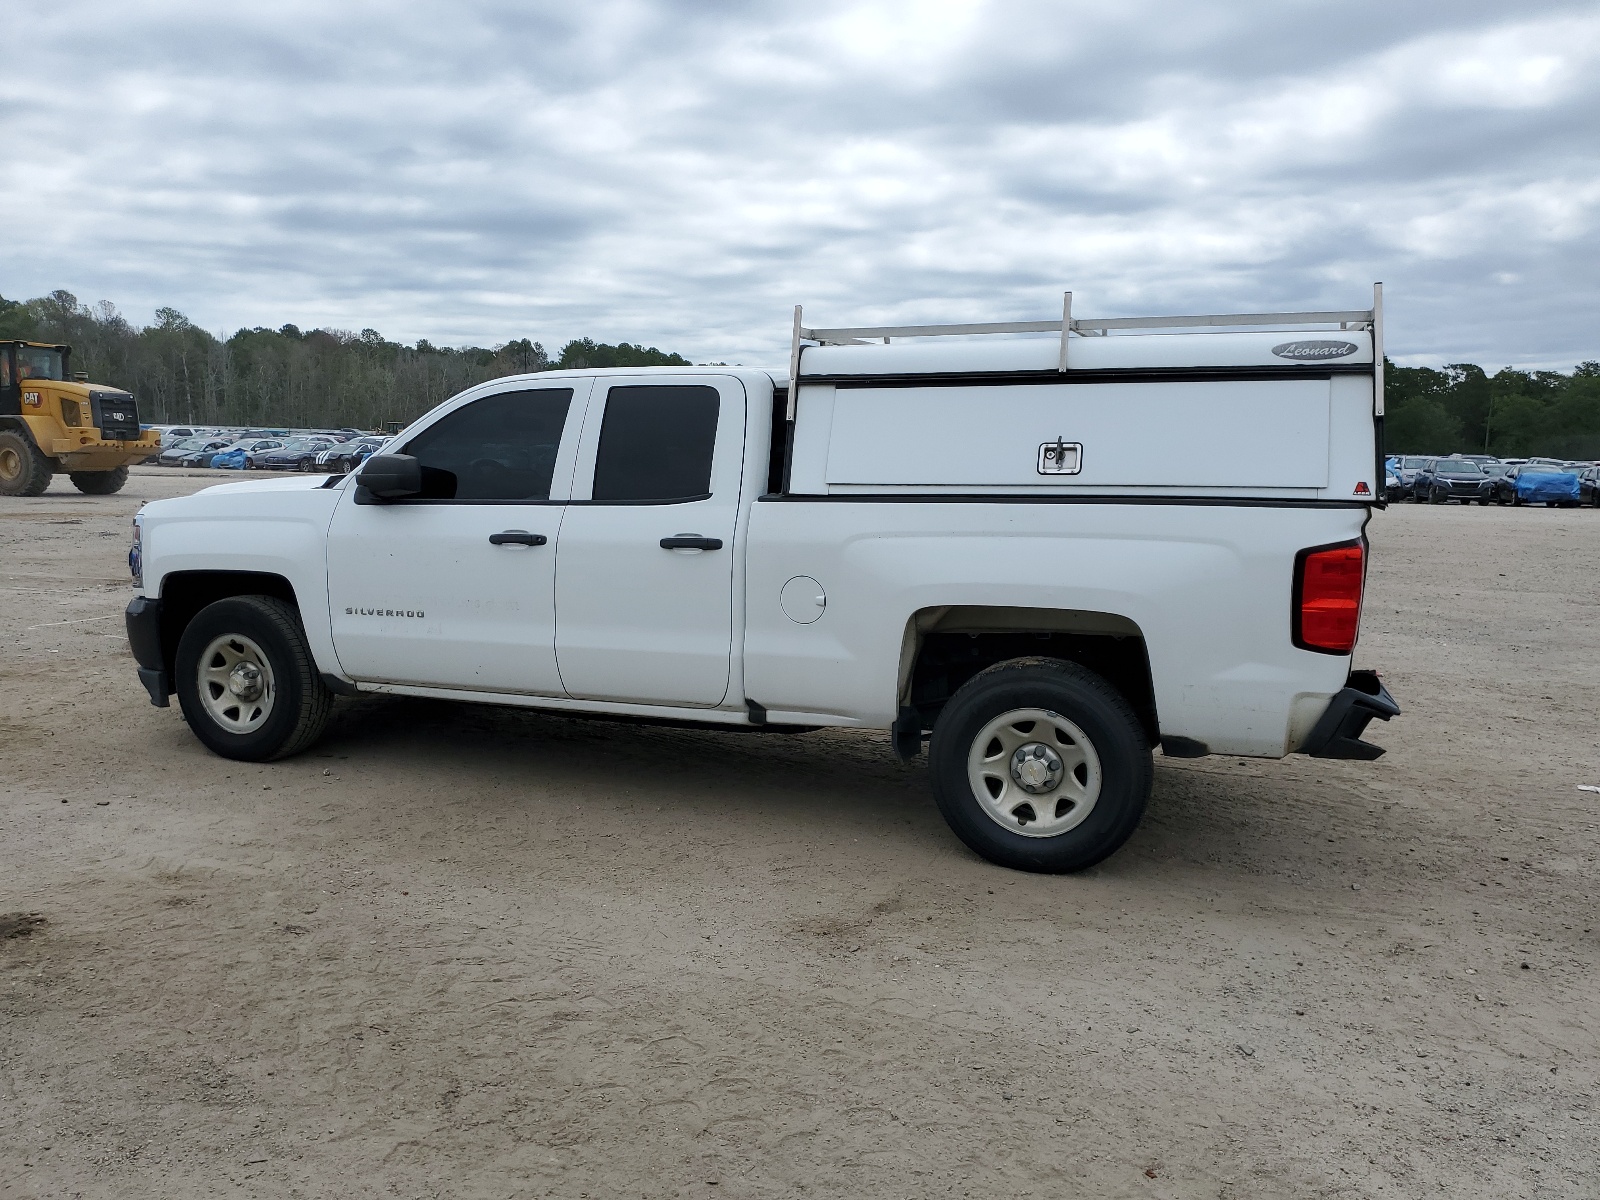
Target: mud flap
<point x="1338" y="733"/>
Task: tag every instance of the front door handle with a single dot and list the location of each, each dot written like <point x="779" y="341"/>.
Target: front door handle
<point x="690" y="541"/>
<point x="517" y="537"/>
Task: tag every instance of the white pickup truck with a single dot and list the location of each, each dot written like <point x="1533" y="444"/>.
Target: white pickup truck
<point x="1043" y="555"/>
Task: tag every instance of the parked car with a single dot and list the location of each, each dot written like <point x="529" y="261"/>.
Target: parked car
<point x="1446" y="479"/>
<point x="296" y="454"/>
<point x="1537" y="483"/>
<point x="1589" y="486"/>
<point x="1406" y="468"/>
<point x="1393" y="489"/>
<point x="174" y="455"/>
<point x="346" y="457"/>
<point x="234" y="457"/>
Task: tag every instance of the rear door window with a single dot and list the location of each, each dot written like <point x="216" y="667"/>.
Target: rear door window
<point x="656" y="444"/>
<point x="502" y="447"/>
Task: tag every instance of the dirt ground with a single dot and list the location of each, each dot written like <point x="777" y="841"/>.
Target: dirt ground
<point x="467" y="952"/>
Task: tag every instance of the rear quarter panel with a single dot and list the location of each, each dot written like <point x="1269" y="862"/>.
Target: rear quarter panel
<point x="1209" y="586"/>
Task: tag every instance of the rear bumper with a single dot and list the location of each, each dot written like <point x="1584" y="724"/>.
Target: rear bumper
<point x="143" y="620"/>
<point x="1338" y="733"/>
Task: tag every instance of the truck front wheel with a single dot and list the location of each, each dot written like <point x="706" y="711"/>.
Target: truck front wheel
<point x="24" y="470"/>
<point x="1040" y="765"/>
<point x="246" y="680"/>
<point x="99" y="483"/>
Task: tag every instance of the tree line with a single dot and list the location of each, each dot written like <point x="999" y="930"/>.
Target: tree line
<point x="329" y="378"/>
<point x="1463" y="408"/>
<point x="332" y="377"/>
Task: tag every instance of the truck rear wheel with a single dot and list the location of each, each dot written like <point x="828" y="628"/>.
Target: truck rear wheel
<point x="246" y="680"/>
<point x="99" y="483"/>
<point x="24" y="470"/>
<point x="1040" y="765"/>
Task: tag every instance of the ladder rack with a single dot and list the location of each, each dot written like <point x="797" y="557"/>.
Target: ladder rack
<point x="858" y="335"/>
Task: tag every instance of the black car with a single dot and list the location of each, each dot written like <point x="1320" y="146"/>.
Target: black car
<point x="296" y="454"/>
<point x="350" y="455"/>
<point x="1446" y="479"/>
<point x="1589" y="486"/>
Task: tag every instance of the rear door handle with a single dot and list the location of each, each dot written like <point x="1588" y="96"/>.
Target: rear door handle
<point x="690" y="541"/>
<point x="517" y="537"/>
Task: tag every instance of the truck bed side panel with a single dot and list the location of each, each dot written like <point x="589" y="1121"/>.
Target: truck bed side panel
<point x="1209" y="586"/>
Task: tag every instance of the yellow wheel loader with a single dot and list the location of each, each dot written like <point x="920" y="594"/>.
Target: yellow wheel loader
<point x="52" y="422"/>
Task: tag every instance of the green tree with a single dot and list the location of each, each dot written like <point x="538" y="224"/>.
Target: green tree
<point x="1421" y="426"/>
<point x="16" y="320"/>
<point x="585" y="353"/>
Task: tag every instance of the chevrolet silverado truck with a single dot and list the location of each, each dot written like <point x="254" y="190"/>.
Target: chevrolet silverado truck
<point x="1038" y="557"/>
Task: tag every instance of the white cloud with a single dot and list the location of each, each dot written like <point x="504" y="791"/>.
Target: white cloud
<point x="682" y="173"/>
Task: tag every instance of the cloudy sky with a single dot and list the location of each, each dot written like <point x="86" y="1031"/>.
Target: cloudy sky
<point x="682" y="173"/>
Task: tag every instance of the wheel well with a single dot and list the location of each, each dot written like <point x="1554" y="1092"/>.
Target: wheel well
<point x="945" y="647"/>
<point x="185" y="593"/>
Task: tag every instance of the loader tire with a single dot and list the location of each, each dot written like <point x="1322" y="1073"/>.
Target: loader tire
<point x="246" y="681"/>
<point x="99" y="483"/>
<point x="24" y="470"/>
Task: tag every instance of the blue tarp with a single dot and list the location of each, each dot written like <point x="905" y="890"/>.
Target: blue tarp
<point x="1543" y="487"/>
<point x="231" y="459"/>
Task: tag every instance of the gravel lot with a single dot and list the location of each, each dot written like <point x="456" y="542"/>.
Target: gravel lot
<point x="459" y="951"/>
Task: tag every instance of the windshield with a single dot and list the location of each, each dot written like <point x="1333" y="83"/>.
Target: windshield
<point x="1413" y="464"/>
<point x="305" y="443"/>
<point x="1459" y="467"/>
<point x="1544" y="469"/>
<point x="1495" y="468"/>
<point x="40" y="362"/>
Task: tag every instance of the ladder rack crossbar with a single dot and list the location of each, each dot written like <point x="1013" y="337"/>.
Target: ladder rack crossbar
<point x="873" y="331"/>
<point x="849" y="334"/>
<point x="1352" y="316"/>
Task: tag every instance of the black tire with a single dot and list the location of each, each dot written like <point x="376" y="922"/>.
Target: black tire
<point x="301" y="702"/>
<point x="1433" y="497"/>
<point x="99" y="483"/>
<point x="1105" y="719"/>
<point x="24" y="469"/>
<point x="307" y="463"/>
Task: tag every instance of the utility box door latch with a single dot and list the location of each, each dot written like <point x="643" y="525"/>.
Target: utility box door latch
<point x="1060" y="458"/>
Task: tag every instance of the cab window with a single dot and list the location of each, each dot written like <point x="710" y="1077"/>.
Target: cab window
<point x="656" y="444"/>
<point x="502" y="447"/>
<point x="39" y="362"/>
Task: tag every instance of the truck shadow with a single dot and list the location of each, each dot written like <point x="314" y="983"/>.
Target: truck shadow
<point x="618" y="757"/>
<point x="1260" y="819"/>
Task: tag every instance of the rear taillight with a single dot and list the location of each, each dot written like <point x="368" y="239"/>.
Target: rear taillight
<point x="1327" y="597"/>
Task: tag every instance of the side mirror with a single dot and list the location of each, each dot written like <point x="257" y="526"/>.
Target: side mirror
<point x="389" y="477"/>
